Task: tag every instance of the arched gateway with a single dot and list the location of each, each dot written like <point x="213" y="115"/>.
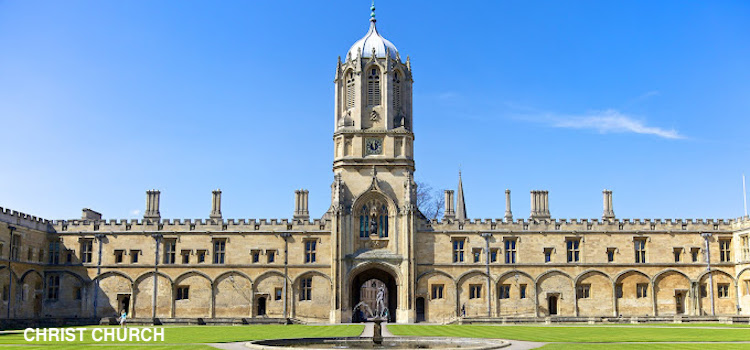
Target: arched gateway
<point x="367" y="279"/>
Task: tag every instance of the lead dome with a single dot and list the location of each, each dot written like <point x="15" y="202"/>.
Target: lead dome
<point x="372" y="42"/>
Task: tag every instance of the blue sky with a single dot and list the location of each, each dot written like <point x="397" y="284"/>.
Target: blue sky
<point x="102" y="100"/>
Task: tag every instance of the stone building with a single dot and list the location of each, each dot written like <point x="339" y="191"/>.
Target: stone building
<point x="372" y="235"/>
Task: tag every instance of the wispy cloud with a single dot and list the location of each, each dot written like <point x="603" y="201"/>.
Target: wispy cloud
<point x="135" y="212"/>
<point x="648" y="94"/>
<point x="642" y="98"/>
<point x="606" y="122"/>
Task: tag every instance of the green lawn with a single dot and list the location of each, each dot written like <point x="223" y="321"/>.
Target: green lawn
<point x="218" y="334"/>
<point x="585" y="334"/>
<point x="112" y="347"/>
<point x="649" y="346"/>
<point x="715" y="325"/>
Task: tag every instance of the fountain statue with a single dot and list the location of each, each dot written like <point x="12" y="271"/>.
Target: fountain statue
<point x="377" y="317"/>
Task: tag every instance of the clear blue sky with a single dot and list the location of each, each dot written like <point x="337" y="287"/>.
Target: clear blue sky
<point x="102" y="100"/>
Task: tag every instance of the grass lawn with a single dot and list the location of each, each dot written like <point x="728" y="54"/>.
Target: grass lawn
<point x="585" y="334"/>
<point x="112" y="347"/>
<point x="213" y="334"/>
<point x="719" y="325"/>
<point x="649" y="346"/>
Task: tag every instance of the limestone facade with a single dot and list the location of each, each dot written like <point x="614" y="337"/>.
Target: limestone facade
<point x="314" y="270"/>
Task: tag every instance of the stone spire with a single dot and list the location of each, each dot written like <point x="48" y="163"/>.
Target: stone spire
<point x="460" y="205"/>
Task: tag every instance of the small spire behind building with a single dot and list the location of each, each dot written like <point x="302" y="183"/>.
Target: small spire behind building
<point x="460" y="205"/>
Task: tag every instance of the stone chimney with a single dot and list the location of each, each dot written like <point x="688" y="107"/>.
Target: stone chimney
<point x="152" y="205"/>
<point x="216" y="205"/>
<point x="508" y="213"/>
<point x="449" y="212"/>
<point x="91" y="215"/>
<point x="540" y="205"/>
<point x="609" y="212"/>
<point x="301" y="211"/>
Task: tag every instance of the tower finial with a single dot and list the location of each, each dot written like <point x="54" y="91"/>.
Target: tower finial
<point x="372" y="14"/>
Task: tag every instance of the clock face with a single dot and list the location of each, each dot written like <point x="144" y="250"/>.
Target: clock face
<point x="374" y="146"/>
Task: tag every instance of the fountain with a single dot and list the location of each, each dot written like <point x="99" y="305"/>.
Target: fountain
<point x="377" y="342"/>
<point x="377" y="317"/>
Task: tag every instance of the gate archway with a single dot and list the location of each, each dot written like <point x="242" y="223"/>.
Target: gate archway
<point x="386" y="279"/>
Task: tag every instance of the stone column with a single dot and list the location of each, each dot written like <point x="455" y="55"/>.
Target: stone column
<point x="449" y="213"/>
<point x="216" y="205"/>
<point x="609" y="213"/>
<point x="297" y="201"/>
<point x="300" y="205"/>
<point x="305" y="202"/>
<point x="152" y="205"/>
<point x="508" y="213"/>
<point x="540" y="205"/>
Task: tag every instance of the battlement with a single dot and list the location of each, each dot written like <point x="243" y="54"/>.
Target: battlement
<point x="124" y="225"/>
<point x="585" y="224"/>
<point x="18" y="218"/>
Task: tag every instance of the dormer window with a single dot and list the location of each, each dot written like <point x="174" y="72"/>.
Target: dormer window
<point x="373" y="88"/>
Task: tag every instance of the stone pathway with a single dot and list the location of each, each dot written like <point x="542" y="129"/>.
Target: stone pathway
<point x="370" y="330"/>
<point x="524" y="345"/>
<point x="229" y="346"/>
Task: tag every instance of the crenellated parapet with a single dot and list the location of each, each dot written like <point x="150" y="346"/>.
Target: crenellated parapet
<point x="18" y="218"/>
<point x="191" y="225"/>
<point x="586" y="225"/>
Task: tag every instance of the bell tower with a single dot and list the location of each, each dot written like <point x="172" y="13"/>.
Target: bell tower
<point x="373" y="199"/>
<point x="373" y="106"/>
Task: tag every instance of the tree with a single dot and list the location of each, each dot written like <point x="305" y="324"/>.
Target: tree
<point x="430" y="202"/>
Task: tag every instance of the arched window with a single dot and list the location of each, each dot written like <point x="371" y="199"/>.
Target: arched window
<point x="349" y="90"/>
<point x="383" y="222"/>
<point x="364" y="222"/>
<point x="373" y="220"/>
<point x="373" y="87"/>
<point x="396" y="92"/>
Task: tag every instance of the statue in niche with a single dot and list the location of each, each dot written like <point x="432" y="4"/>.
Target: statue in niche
<point x="374" y="221"/>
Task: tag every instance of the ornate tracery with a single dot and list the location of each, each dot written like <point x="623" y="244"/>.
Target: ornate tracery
<point x="373" y="219"/>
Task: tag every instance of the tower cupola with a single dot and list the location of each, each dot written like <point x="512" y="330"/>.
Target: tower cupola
<point x="371" y="43"/>
<point x="373" y="113"/>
